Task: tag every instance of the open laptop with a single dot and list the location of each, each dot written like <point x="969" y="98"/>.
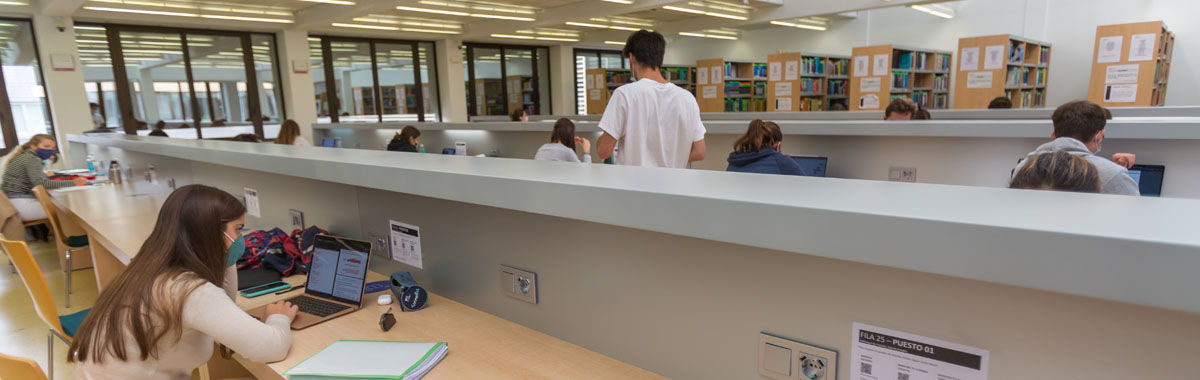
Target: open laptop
<point x="329" y="143"/>
<point x="1149" y="179"/>
<point x="336" y="279"/>
<point x="813" y="166"/>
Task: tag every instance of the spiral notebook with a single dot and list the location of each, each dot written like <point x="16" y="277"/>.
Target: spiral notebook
<point x="366" y="359"/>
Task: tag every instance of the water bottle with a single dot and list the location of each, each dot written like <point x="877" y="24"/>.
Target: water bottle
<point x="151" y="175"/>
<point x="91" y="163"/>
<point x="421" y="148"/>
<point x="114" y="172"/>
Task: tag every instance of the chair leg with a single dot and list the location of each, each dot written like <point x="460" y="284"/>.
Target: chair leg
<point x="50" y="354"/>
<point x="68" y="273"/>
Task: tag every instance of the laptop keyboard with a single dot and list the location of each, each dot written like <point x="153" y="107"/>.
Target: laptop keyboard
<point x="317" y="307"/>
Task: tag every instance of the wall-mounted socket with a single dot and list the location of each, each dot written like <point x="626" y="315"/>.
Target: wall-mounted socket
<point x="518" y="284"/>
<point x="784" y="359"/>
<point x="297" y="218"/>
<point x="379" y="244"/>
<point x="902" y="174"/>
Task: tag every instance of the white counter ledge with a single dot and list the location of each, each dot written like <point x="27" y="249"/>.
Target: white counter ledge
<point x="1138" y="250"/>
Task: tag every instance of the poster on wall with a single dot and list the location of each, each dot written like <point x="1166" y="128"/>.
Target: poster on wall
<point x="792" y="71"/>
<point x="1109" y="50"/>
<point x="702" y="75"/>
<point x="1115" y="74"/>
<point x="868" y="102"/>
<point x="882" y="65"/>
<point x="1120" y="93"/>
<point x="406" y="243"/>
<point x="879" y="353"/>
<point x="979" y="79"/>
<point x="594" y="94"/>
<point x="783" y="104"/>
<point x="993" y="58"/>
<point x="970" y="59"/>
<point x="775" y="71"/>
<point x="872" y="84"/>
<point x="1142" y="47"/>
<point x="591" y="81"/>
<point x="783" y="89"/>
<point x="716" y="74"/>
<point x="860" y="66"/>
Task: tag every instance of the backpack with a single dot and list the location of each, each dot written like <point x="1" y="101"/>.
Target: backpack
<point x="287" y="254"/>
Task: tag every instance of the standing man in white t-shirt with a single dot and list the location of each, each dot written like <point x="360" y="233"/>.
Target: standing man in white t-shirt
<point x="651" y="122"/>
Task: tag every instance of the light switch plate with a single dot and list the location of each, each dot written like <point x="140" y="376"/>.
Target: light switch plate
<point x="804" y="361"/>
<point x="902" y="174"/>
<point x="519" y="284"/>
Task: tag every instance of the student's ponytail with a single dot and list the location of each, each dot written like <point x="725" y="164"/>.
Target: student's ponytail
<point x="760" y="134"/>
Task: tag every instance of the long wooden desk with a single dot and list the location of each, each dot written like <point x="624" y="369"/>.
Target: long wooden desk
<point x="118" y="218"/>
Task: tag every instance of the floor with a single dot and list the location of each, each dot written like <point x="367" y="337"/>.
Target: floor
<point x="22" y="333"/>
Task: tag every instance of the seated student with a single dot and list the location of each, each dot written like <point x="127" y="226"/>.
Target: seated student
<point x="562" y="144"/>
<point x="1000" y="102"/>
<point x="837" y="107"/>
<point x="289" y="134"/>
<point x="520" y="115"/>
<point x="159" y="133"/>
<point x="1079" y="130"/>
<point x="758" y="151"/>
<point x="406" y="140"/>
<point x="922" y="114"/>
<point x="159" y="317"/>
<point x="900" y="109"/>
<point x="1060" y="171"/>
<point x="247" y="137"/>
<point x="25" y="169"/>
<point x="161" y="124"/>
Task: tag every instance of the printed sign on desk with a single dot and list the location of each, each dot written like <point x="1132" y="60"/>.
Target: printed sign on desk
<point x="406" y="243"/>
<point x="879" y="353"/>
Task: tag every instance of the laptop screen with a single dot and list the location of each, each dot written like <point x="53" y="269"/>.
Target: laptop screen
<point x="339" y="269"/>
<point x="813" y="166"/>
<point x="1149" y="179"/>
<point x="329" y="143"/>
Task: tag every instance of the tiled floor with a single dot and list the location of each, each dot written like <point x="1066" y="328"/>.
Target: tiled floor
<point x="22" y="333"/>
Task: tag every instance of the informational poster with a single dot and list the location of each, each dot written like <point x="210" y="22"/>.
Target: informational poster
<point x="600" y="81"/>
<point x="993" y="58"/>
<point x="702" y="75"/>
<point x="775" y="71"/>
<point x="406" y="243"/>
<point x="252" y="207"/>
<point x="1110" y="49"/>
<point x="1116" y="74"/>
<point x="591" y="81"/>
<point x="717" y="73"/>
<point x="868" y="102"/>
<point x="879" y="353"/>
<point x="783" y="104"/>
<point x="882" y="65"/>
<point x="1142" y="47"/>
<point x="970" y="59"/>
<point x="783" y="89"/>
<point x="710" y="92"/>
<point x="860" y="66"/>
<point x="979" y="79"/>
<point x="792" y="70"/>
<point x="871" y="84"/>
<point x="1120" y="93"/>
<point x="594" y="94"/>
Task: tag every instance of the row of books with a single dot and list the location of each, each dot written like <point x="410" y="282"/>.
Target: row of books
<point x="941" y="62"/>
<point x="838" y="66"/>
<point x="941" y="82"/>
<point x="1016" y="52"/>
<point x="618" y="77"/>
<point x="758" y="70"/>
<point x="678" y="74"/>
<point x="733" y="88"/>
<point x="838" y="87"/>
<point x="746" y="105"/>
<point x="810" y="85"/>
<point x="941" y="101"/>
<point x="1045" y="55"/>
<point x="922" y="98"/>
<point x="1025" y="76"/>
<point x="1027" y="98"/>
<point x="812" y="104"/>
<point x="900" y="80"/>
<point x="812" y="66"/>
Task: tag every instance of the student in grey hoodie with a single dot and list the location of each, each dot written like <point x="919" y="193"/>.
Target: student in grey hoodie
<point x="562" y="144"/>
<point x="1079" y="130"/>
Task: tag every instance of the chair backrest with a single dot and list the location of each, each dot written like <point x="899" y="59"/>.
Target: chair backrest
<point x="12" y="367"/>
<point x="35" y="282"/>
<point x="43" y="197"/>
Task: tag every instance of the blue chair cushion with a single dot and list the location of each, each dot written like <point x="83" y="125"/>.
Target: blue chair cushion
<point x="77" y="241"/>
<point x="70" y="322"/>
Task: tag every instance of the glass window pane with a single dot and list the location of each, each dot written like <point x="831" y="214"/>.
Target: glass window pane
<point x="429" y="83"/>
<point x="155" y="68"/>
<point x="610" y="60"/>
<point x="542" y="94"/>
<point x="354" y="81"/>
<point x="270" y="92"/>
<point x="23" y="80"/>
<point x="218" y="65"/>
<point x="92" y="42"/>
<point x="397" y="83"/>
<point x="519" y="68"/>
<point x="580" y="84"/>
<point x="488" y="84"/>
<point x="317" y="68"/>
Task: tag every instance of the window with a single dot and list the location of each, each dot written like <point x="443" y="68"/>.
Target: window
<point x="26" y="111"/>
<point x="373" y="80"/>
<point x="504" y="78"/>
<point x="586" y="59"/>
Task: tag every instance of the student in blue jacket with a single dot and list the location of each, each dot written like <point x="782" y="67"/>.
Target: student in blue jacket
<point x="758" y="152"/>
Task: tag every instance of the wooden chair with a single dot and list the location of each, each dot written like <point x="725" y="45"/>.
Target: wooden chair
<point x="12" y="367"/>
<point x="69" y="244"/>
<point x="61" y="326"/>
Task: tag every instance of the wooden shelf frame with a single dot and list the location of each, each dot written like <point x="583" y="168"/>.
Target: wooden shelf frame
<point x="1152" y="74"/>
<point x="1023" y="76"/>
<point x="925" y="74"/>
<point x="710" y="90"/>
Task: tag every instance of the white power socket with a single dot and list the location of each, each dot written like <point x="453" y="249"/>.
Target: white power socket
<point x="902" y="174"/>
<point x="518" y="284"/>
<point x="784" y="359"/>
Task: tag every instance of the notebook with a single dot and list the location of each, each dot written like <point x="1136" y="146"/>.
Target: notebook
<point x="369" y="359"/>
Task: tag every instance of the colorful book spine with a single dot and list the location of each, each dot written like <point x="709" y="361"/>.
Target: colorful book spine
<point x="941" y="82"/>
<point x="810" y="85"/>
<point x="840" y="67"/>
<point x="900" y="80"/>
<point x="837" y="87"/>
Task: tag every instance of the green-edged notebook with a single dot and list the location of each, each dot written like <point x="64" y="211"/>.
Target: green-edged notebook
<point x="370" y="359"/>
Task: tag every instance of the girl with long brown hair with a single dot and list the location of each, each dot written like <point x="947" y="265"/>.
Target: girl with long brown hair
<point x="289" y="134"/>
<point x="406" y="140"/>
<point x="159" y="317"/>
<point x="758" y="151"/>
<point x="562" y="144"/>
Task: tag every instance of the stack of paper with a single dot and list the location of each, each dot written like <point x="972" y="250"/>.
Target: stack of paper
<point x="363" y="359"/>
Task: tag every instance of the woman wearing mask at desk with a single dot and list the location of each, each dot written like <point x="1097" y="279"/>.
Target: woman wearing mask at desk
<point x="406" y="140"/>
<point x="24" y="169"/>
<point x="158" y="319"/>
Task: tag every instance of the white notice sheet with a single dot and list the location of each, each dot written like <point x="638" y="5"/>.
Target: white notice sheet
<point x="1120" y="93"/>
<point x="862" y="66"/>
<point x="979" y="79"/>
<point x="716" y="72"/>
<point x="882" y="65"/>
<point x="970" y="59"/>
<point x="1109" y="50"/>
<point x="775" y="71"/>
<point x="709" y="92"/>
<point x="1142" y="47"/>
<point x="868" y="102"/>
<point x="872" y="84"/>
<point x="879" y="353"/>
<point x="994" y="57"/>
<point x="702" y="75"/>
<point x="783" y="104"/>
<point x="252" y="207"/>
<point x="406" y="243"/>
<point x="792" y="70"/>
<point x="783" y="89"/>
<point x="1121" y="74"/>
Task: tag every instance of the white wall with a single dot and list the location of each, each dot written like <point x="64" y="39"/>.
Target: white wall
<point x="1069" y="25"/>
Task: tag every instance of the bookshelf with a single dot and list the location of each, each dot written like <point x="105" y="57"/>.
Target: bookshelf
<point x="600" y="84"/>
<point x="1001" y="65"/>
<point x="838" y="82"/>
<point x="489" y="96"/>
<point x="1124" y="55"/>
<point x="885" y="72"/>
<point x="731" y="85"/>
<point x="682" y="76"/>
<point x="799" y="82"/>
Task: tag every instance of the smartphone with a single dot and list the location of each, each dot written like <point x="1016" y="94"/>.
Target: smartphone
<point x="264" y="289"/>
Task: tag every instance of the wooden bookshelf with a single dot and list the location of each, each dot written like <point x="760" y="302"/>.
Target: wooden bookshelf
<point x="731" y="85"/>
<point x="799" y="82"/>
<point x="889" y="72"/>
<point x="600" y="84"/>
<point x="1123" y="78"/>
<point x="682" y="76"/>
<point x="489" y="96"/>
<point x="837" y="83"/>
<point x="1001" y="65"/>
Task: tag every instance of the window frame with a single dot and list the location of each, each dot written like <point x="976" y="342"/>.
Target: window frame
<point x="335" y="105"/>
<point x="8" y="124"/>
<point x="537" y="93"/>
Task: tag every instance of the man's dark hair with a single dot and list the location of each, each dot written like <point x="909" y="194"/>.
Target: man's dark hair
<point x="1060" y="171"/>
<point x="646" y="47"/>
<point x="1080" y="120"/>
<point x="1000" y="102"/>
<point x="900" y="106"/>
<point x="93" y="105"/>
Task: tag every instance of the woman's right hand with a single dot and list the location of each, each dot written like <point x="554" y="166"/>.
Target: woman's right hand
<point x="79" y="181"/>
<point x="584" y="144"/>
<point x="284" y="308"/>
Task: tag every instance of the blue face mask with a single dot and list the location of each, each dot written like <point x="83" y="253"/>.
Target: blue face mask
<point x="236" y="249"/>
<point x="44" y="154"/>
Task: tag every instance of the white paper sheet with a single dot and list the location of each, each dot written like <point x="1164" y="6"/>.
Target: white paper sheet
<point x="783" y="104"/>
<point x="993" y="58"/>
<point x="1142" y="47"/>
<point x="970" y="59"/>
<point x="792" y="71"/>
<point x="710" y="92"/>
<point x="783" y="89"/>
<point x="717" y="74"/>
<point x="591" y="81"/>
<point x="75" y="188"/>
<point x="702" y="75"/>
<point x="775" y="71"/>
<point x="980" y="79"/>
<point x="868" y="102"/>
<point x="861" y="66"/>
<point x="600" y="81"/>
<point x="252" y="208"/>
<point x="879" y="353"/>
<point x="406" y="243"/>
<point x="367" y="359"/>
<point x="1110" y="49"/>
<point x="1120" y="93"/>
<point x="882" y="65"/>
<point x="871" y="84"/>
<point x="594" y="94"/>
<point x="1116" y="74"/>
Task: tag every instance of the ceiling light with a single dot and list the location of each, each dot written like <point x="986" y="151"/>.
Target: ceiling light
<point x="338" y="2"/>
<point x="243" y="18"/>
<point x="514" y="18"/>
<point x="588" y="25"/>
<point x="457" y="13"/>
<point x="362" y="26"/>
<point x="512" y="36"/>
<point x="428" y="31"/>
<point x="12" y="3"/>
<point x="160" y="13"/>
<point x="614" y="42"/>
<point x="557" y="39"/>
<point x="716" y="36"/>
<point x="620" y="1"/>
<point x="797" y="25"/>
<point x="678" y="9"/>
<point x="935" y="10"/>
<point x="700" y="12"/>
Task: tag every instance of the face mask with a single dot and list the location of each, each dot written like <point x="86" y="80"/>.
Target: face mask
<point x="1097" y="152"/>
<point x="44" y="154"/>
<point x="236" y="249"/>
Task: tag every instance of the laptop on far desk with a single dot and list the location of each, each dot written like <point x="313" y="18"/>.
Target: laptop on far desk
<point x="336" y="280"/>
<point x="813" y="166"/>
<point x="1149" y="179"/>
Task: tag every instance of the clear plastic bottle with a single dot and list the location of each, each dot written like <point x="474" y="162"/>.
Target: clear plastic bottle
<point x="91" y="163"/>
<point x="421" y="148"/>
<point x="151" y="175"/>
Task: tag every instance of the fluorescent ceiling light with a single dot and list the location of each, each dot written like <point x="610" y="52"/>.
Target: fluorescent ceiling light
<point x="243" y="18"/>
<point x="620" y="1"/>
<point x="514" y="18"/>
<point x="12" y="3"/>
<point x="700" y="12"/>
<point x="614" y="42"/>
<point x="688" y="10"/>
<point x="428" y="31"/>
<point x="362" y="26"/>
<point x="798" y="25"/>
<point x="598" y="26"/>
<point x="935" y="10"/>
<point x="148" y="12"/>
<point x="716" y="36"/>
<point x="338" y="2"/>
<point x="457" y="13"/>
<point x="512" y="36"/>
<point x="556" y="39"/>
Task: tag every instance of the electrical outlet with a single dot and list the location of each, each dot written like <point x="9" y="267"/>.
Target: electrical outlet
<point x="518" y="284"/>
<point x="784" y="359"/>
<point x="297" y="217"/>
<point x="902" y="174"/>
<point x="380" y="245"/>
